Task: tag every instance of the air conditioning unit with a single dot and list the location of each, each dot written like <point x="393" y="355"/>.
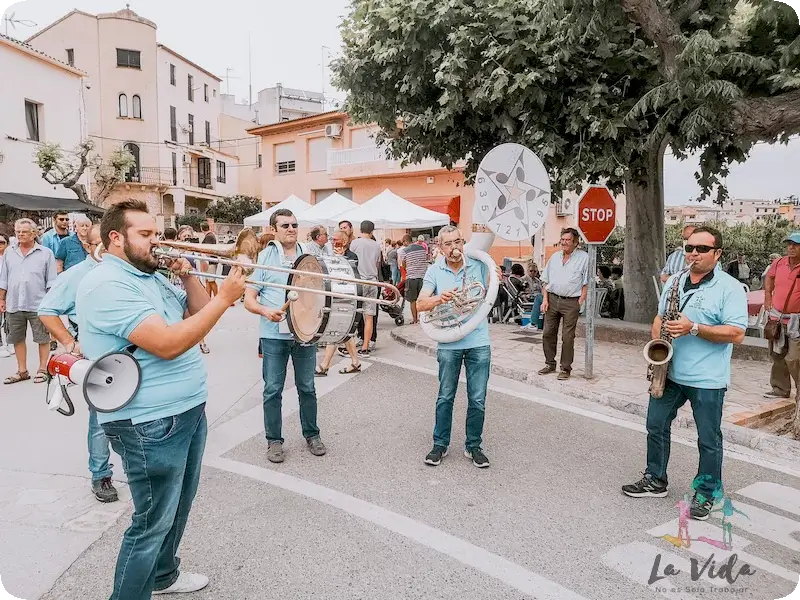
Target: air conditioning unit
<point x="334" y="130"/>
<point x="565" y="207"/>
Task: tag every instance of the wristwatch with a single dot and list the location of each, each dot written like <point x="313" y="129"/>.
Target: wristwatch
<point x="695" y="329"/>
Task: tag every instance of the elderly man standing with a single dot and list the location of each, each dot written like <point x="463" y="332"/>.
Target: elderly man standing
<point x="566" y="281"/>
<point x="73" y="249"/>
<point x="782" y="302"/>
<point x="29" y="271"/>
<point x="318" y="245"/>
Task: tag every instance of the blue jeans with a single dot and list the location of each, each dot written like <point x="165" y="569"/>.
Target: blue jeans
<point x="477" y="362"/>
<point x="707" y="411"/>
<point x="395" y="274"/>
<point x="537" y="318"/>
<point x="162" y="460"/>
<point x="99" y="452"/>
<point x="273" y="370"/>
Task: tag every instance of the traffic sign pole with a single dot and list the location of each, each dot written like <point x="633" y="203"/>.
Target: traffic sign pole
<point x="591" y="300"/>
<point x="597" y="215"/>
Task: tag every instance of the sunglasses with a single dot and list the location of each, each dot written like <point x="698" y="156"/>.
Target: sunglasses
<point x="3" y="242"/>
<point x="701" y="249"/>
<point x="287" y="225"/>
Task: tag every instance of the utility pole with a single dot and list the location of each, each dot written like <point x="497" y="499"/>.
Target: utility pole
<point x="322" y="75"/>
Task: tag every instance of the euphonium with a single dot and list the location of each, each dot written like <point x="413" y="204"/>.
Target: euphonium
<point x="658" y="352"/>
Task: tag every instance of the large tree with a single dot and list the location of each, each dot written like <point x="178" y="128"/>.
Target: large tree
<point x="234" y="209"/>
<point x="597" y="88"/>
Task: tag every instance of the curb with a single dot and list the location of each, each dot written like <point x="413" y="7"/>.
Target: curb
<point x="780" y="447"/>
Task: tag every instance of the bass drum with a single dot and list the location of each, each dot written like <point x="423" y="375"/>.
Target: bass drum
<point x="318" y="319"/>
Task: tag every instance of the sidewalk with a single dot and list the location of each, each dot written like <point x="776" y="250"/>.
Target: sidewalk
<point x="620" y="379"/>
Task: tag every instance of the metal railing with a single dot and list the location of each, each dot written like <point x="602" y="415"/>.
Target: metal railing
<point x="150" y="176"/>
<point x="355" y="156"/>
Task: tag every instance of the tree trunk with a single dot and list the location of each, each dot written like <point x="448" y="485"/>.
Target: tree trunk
<point x="644" y="238"/>
<point x="80" y="192"/>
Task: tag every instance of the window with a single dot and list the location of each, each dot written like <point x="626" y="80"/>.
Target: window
<point x="190" y="80"/>
<point x="259" y="161"/>
<point x="220" y="171"/>
<point x="71" y="57"/>
<point x="123" y="105"/>
<point x="205" y="91"/>
<point x="133" y="174"/>
<point x="284" y="158"/>
<point x="318" y="153"/>
<point x="172" y="74"/>
<point x="204" y="173"/>
<point x="215" y="93"/>
<point x="130" y="59"/>
<point x="32" y="120"/>
<point x="191" y="129"/>
<point x="173" y="124"/>
<point x="208" y="133"/>
<point x="174" y="169"/>
<point x="137" y="107"/>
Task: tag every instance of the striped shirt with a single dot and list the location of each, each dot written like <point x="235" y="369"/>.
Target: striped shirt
<point x="416" y="259"/>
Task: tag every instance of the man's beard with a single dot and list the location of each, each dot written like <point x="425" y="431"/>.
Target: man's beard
<point x="146" y="263"/>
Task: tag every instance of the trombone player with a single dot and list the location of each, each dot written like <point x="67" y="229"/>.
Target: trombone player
<point x="710" y="316"/>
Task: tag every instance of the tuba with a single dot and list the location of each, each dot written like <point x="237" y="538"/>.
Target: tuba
<point x="512" y="200"/>
<point x="658" y="352"/>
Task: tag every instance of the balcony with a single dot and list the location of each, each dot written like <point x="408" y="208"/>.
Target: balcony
<point x="371" y="161"/>
<point x="149" y="176"/>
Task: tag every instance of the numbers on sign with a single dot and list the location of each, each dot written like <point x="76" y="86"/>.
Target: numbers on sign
<point x="518" y="230"/>
<point x="535" y="225"/>
<point x="481" y="179"/>
<point x="485" y="207"/>
<point x="539" y="213"/>
<point x="508" y="230"/>
<point x="484" y="193"/>
<point x="498" y="228"/>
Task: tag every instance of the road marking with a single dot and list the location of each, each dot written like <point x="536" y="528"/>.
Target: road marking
<point x="703" y="550"/>
<point x="767" y="525"/>
<point x="774" y="494"/>
<point x="461" y="550"/>
<point x="631" y="425"/>
<point x="635" y="561"/>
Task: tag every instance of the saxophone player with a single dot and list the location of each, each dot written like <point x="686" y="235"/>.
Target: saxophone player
<point x="710" y="316"/>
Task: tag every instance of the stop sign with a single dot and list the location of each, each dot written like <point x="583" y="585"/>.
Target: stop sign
<point x="597" y="214"/>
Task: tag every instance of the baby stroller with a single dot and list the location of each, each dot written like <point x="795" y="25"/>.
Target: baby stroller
<point x="396" y="311"/>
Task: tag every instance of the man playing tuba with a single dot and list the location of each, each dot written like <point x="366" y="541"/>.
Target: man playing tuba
<point x="711" y="317"/>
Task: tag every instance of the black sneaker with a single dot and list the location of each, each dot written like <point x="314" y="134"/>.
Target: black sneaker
<point x="647" y="486"/>
<point x="363" y="352"/>
<point x="699" y="510"/>
<point x="104" y="490"/>
<point x="436" y="455"/>
<point x="478" y="457"/>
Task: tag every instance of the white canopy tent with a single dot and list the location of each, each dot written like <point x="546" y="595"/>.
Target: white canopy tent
<point x="293" y="203"/>
<point x="326" y="212"/>
<point x="389" y="211"/>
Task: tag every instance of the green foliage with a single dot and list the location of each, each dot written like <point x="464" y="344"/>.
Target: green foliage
<point x="47" y="156"/>
<point x="613" y="250"/>
<point x="192" y="220"/>
<point x="234" y="209"/>
<point x="580" y="82"/>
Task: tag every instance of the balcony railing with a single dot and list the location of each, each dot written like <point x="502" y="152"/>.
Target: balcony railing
<point x="150" y="176"/>
<point x="355" y="156"/>
<point x="195" y="179"/>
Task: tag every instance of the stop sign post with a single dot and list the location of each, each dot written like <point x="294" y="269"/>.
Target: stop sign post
<point x="597" y="217"/>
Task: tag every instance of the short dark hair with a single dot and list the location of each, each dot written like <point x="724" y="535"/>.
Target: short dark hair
<point x="204" y="226"/>
<point x="716" y="233"/>
<point x="367" y="226"/>
<point x="348" y="222"/>
<point x="114" y="218"/>
<point x="281" y="212"/>
<point x="616" y="271"/>
<point x="408" y="238"/>
<point x="170" y="233"/>
<point x="572" y="231"/>
<point x="518" y="270"/>
<point x="604" y="271"/>
<point x="60" y="212"/>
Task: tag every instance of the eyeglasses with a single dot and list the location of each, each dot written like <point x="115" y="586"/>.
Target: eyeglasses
<point x="453" y="243"/>
<point x="287" y="225"/>
<point x="701" y="249"/>
<point x="3" y="242"/>
<point x="63" y="219"/>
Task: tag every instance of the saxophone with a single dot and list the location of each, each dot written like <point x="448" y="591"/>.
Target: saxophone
<point x="658" y="352"/>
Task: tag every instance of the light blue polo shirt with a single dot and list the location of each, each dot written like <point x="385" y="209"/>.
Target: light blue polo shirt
<point x="441" y="278"/>
<point x="60" y="300"/>
<point x="51" y="240"/>
<point x="273" y="297"/>
<point x="70" y="251"/>
<point x="719" y="301"/>
<point x="113" y="299"/>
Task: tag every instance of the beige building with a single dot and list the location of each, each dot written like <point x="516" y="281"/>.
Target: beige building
<point x="733" y="212"/>
<point x="275" y="105"/>
<point x="148" y="98"/>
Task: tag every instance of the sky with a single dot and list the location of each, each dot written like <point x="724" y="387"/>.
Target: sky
<point x="292" y="43"/>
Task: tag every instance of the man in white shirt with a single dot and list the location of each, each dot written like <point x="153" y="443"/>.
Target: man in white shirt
<point x="319" y="241"/>
<point x="368" y="252"/>
<point x="566" y="282"/>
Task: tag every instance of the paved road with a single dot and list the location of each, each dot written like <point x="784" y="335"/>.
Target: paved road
<point x="370" y="520"/>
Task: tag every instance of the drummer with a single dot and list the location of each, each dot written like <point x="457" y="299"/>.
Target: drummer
<point x="340" y="241"/>
<point x="277" y="347"/>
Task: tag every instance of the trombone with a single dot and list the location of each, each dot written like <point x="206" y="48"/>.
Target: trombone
<point x="246" y="246"/>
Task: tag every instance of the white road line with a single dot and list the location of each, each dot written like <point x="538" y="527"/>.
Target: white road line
<point x="774" y="494"/>
<point x="461" y="550"/>
<point x="767" y="525"/>
<point x="635" y="561"/>
<point x="698" y="529"/>
<point x="531" y="397"/>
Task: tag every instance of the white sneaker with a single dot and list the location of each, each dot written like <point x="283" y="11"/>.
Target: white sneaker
<point x="186" y="582"/>
<point x="4" y="353"/>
